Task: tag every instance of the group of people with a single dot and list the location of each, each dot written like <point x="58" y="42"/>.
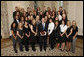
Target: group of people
<point x="43" y="27"/>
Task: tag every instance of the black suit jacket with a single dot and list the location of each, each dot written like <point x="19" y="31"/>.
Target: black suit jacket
<point x="40" y="28"/>
<point x="14" y="13"/>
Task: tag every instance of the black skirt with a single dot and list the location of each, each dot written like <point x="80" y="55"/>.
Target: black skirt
<point x="26" y="40"/>
<point x="57" y="37"/>
<point x="63" y="38"/>
<point x="69" y="39"/>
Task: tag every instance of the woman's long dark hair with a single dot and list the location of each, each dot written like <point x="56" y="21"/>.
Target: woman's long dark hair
<point x="12" y="25"/>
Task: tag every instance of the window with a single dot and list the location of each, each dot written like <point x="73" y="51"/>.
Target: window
<point x="35" y="5"/>
<point x="59" y="3"/>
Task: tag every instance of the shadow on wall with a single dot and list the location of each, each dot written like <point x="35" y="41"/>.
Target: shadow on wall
<point x="1" y="36"/>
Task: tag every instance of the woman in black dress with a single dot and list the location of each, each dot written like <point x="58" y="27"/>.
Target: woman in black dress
<point x="57" y="33"/>
<point x="33" y="34"/>
<point x="26" y="29"/>
<point x="14" y="35"/>
<point x="20" y="35"/>
<point x="68" y="36"/>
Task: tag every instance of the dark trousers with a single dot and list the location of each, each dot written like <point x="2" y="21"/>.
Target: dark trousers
<point x="14" y="43"/>
<point x="43" y="42"/>
<point x="52" y="41"/>
<point x="33" y="42"/>
<point x="20" y="44"/>
<point x="26" y="44"/>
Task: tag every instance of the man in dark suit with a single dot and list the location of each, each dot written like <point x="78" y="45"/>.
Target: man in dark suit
<point x="16" y="20"/>
<point x="60" y="9"/>
<point x="14" y="13"/>
<point x="42" y="30"/>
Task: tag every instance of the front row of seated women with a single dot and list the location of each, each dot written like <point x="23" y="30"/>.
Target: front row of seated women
<point x="60" y="35"/>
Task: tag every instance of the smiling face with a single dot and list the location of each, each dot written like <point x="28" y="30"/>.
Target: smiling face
<point x="16" y="8"/>
<point x="63" y="22"/>
<point x="22" y="18"/>
<point x="68" y="23"/>
<point x="26" y="23"/>
<point x="50" y="20"/>
<point x="26" y="18"/>
<point x="64" y="16"/>
<point x="43" y="20"/>
<point x="16" y="17"/>
<point x="58" y="12"/>
<point x="56" y="23"/>
<point x="20" y="25"/>
<point x="56" y="18"/>
<point x="73" y="23"/>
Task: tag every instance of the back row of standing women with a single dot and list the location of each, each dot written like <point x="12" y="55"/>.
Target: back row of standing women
<point x="43" y="27"/>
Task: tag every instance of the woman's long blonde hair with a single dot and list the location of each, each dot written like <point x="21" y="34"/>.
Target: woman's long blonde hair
<point x="68" y="23"/>
<point x="37" y="18"/>
<point x="33" y="21"/>
<point x="75" y="24"/>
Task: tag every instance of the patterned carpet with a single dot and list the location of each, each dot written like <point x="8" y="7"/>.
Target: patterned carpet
<point x="7" y="50"/>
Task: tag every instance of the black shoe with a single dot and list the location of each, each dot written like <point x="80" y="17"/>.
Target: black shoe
<point x="34" y="49"/>
<point x="45" y="49"/>
<point x="16" y="51"/>
<point x="40" y="49"/>
<point x="27" y="49"/>
<point x="73" y="52"/>
<point x="67" y="50"/>
<point x="62" y="49"/>
<point x="21" y="50"/>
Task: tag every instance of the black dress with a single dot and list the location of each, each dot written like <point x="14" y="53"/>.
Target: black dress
<point x="57" y="34"/>
<point x="14" y="41"/>
<point x="29" y="21"/>
<point x="26" y="39"/>
<point x="33" y="38"/>
<point x="69" y="39"/>
<point x="19" y="39"/>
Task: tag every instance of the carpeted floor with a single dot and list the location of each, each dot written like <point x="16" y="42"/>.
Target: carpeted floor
<point x="7" y="50"/>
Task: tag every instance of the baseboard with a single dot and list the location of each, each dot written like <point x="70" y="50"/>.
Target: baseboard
<point x="1" y="37"/>
<point x="80" y="36"/>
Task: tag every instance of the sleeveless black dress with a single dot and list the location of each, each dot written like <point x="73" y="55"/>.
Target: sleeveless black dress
<point x="21" y="32"/>
<point x="32" y="36"/>
<point x="34" y="28"/>
<point x="57" y="34"/>
<point x="14" y="31"/>
<point x="69" y="39"/>
<point x="26" y="39"/>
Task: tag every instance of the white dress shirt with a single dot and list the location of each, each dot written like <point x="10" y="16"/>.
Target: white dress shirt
<point x="43" y="24"/>
<point x="59" y="17"/>
<point x="63" y="27"/>
<point x="50" y="28"/>
<point x="17" y="21"/>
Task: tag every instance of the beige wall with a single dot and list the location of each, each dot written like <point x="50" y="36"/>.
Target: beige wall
<point x="4" y="20"/>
